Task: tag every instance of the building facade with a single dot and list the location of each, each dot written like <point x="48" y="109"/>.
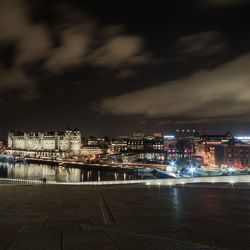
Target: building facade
<point x="68" y="141"/>
<point x="117" y="146"/>
<point x="210" y="148"/>
<point x="91" y="151"/>
<point x="237" y="154"/>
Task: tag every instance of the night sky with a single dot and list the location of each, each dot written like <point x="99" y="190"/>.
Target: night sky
<point x="113" y="67"/>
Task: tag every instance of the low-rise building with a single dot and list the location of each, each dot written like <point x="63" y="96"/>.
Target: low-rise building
<point x="91" y="151"/>
<point x="117" y="146"/>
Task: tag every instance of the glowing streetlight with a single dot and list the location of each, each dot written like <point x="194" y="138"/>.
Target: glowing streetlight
<point x="192" y="170"/>
<point x="172" y="163"/>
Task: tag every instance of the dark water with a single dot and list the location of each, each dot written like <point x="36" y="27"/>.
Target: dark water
<point x="34" y="171"/>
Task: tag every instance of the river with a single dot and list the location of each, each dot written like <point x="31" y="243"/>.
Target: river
<point x="35" y="171"/>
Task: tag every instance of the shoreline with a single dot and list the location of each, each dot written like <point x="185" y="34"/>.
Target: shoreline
<point x="66" y="163"/>
<point x="78" y="164"/>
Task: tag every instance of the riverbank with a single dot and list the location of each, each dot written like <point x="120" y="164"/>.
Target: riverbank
<point x="79" y="164"/>
<point x="68" y="162"/>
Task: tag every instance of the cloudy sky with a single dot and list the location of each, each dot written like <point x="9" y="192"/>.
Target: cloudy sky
<point x="110" y="67"/>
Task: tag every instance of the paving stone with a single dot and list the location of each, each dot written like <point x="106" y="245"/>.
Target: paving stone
<point x="73" y="217"/>
<point x="87" y="240"/>
<point x="37" y="241"/>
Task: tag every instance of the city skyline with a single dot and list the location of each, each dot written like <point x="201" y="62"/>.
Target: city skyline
<point x="124" y="125"/>
<point x="113" y="68"/>
<point x="166" y="132"/>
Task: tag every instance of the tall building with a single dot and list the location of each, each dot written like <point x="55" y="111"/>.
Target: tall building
<point x="64" y="141"/>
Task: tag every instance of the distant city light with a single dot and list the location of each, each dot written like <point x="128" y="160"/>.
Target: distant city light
<point x="169" y="136"/>
<point x="230" y="169"/>
<point x="242" y="137"/>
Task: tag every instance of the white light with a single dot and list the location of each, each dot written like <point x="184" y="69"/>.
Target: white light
<point x="172" y="163"/>
<point x="191" y="170"/>
<point x="243" y="137"/>
<point x="230" y="169"/>
<point x="169" y="136"/>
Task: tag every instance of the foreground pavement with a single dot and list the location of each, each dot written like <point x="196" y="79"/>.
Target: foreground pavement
<point x="124" y="217"/>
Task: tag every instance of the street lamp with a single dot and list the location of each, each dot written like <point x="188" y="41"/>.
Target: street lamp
<point x="172" y="163"/>
<point x="192" y="170"/>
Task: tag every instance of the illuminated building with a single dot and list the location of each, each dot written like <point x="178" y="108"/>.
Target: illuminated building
<point x="91" y="151"/>
<point x="210" y="148"/>
<point x="245" y="139"/>
<point x="237" y="153"/>
<point x="157" y="135"/>
<point x="138" y="135"/>
<point x="154" y="145"/>
<point x="186" y="134"/>
<point x="92" y="141"/>
<point x="135" y="145"/>
<point x="68" y="141"/>
<point x="178" y="147"/>
<point x="145" y="145"/>
<point x="117" y="146"/>
<point x="169" y="141"/>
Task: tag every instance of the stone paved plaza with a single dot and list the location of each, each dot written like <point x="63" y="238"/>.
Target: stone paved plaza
<point x="124" y="217"/>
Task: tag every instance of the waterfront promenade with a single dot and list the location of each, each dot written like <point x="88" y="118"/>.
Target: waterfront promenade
<point x="138" y="216"/>
<point x="230" y="180"/>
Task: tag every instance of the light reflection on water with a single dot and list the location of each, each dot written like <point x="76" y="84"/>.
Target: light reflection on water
<point x="34" y="171"/>
<point x="176" y="201"/>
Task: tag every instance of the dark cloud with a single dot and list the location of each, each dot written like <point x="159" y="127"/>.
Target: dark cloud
<point x="209" y="94"/>
<point x="73" y="40"/>
<point x="17" y="81"/>
<point x="201" y="44"/>
<point x="33" y="40"/>
<point x="76" y="46"/>
<point x="74" y="53"/>
<point x="118" y="50"/>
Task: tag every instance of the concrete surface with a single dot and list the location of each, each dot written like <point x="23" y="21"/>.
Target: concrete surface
<point x="124" y="217"/>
